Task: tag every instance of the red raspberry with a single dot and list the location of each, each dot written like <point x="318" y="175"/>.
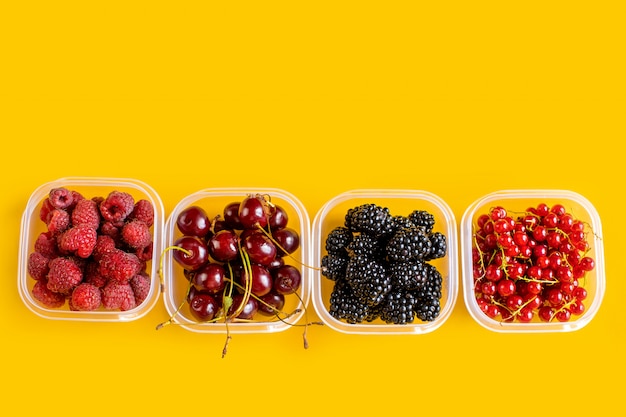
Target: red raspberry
<point x="110" y="229"/>
<point x="44" y="211"/>
<point x="86" y="213"/>
<point x="140" y="284"/>
<point x="117" y="295"/>
<point x="80" y="240"/>
<point x="145" y="254"/>
<point x="104" y="244"/>
<point x="61" y="197"/>
<point x="46" y="244"/>
<point x="58" y="221"/>
<point x="119" y="265"/>
<point x="143" y="211"/>
<point x="38" y="266"/>
<point x="64" y="275"/>
<point x="117" y="206"/>
<point x="86" y="297"/>
<point x="92" y="275"/>
<point x="136" y="234"/>
<point x="46" y="297"/>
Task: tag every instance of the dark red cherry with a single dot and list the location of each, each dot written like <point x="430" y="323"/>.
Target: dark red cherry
<point x="278" y="218"/>
<point x="287" y="279"/>
<point x="198" y="252"/>
<point x="261" y="280"/>
<point x="210" y="277"/>
<point x="253" y="212"/>
<point x="224" y="245"/>
<point x="271" y="303"/>
<point x="249" y="310"/>
<point x="259" y="247"/>
<point x="288" y="239"/>
<point x="231" y="215"/>
<point x="193" y="221"/>
<point x="203" y="306"/>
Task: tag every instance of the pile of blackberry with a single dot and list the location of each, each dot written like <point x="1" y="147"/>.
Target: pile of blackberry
<point x="380" y="265"/>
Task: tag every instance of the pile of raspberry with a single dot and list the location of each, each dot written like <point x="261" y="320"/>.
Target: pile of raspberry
<point x="94" y="252"/>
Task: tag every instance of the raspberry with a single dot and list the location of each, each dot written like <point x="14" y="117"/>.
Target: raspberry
<point x="143" y="211"/>
<point x="144" y="254"/>
<point x="117" y="206"/>
<point x="86" y="297"/>
<point x="92" y="275"/>
<point x="47" y="297"/>
<point x="38" y="266"/>
<point x="119" y="265"/>
<point x="45" y="210"/>
<point x="86" y="213"/>
<point x="61" y="197"/>
<point x="104" y="244"/>
<point x="46" y="244"/>
<point x="136" y="234"/>
<point x="58" y="221"/>
<point x="110" y="229"/>
<point x="79" y="240"/>
<point x="64" y="275"/>
<point x="118" y="295"/>
<point x="140" y="284"/>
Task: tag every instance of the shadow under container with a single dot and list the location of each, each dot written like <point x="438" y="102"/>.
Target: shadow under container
<point x="176" y="284"/>
<point x="517" y="203"/>
<point x="399" y="202"/>
<point x="32" y="226"/>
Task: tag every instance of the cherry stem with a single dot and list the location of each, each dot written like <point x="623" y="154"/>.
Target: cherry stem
<point x="269" y="235"/>
<point x="170" y="320"/>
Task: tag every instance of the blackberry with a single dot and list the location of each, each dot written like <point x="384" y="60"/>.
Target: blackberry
<point x="433" y="285"/>
<point x="410" y="275"/>
<point x="428" y="309"/>
<point x="338" y="239"/>
<point x="368" y="279"/>
<point x="344" y="305"/>
<point x="334" y="266"/>
<point x="371" y="219"/>
<point x="399" y="222"/>
<point x="398" y="307"/>
<point x="364" y="245"/>
<point x="422" y="219"/>
<point x="438" y="246"/>
<point x="409" y="243"/>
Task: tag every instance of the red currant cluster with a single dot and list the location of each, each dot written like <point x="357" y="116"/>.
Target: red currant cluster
<point x="531" y="264"/>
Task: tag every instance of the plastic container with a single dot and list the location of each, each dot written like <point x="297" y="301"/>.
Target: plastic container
<point x="32" y="227"/>
<point x="517" y="202"/>
<point x="399" y="202"/>
<point x="176" y="285"/>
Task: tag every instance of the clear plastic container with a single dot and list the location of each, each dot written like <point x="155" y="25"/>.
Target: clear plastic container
<point x="399" y="202"/>
<point x="516" y="202"/>
<point x="176" y="285"/>
<point x="89" y="187"/>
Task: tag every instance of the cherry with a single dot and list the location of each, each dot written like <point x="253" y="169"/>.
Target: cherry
<point x="210" y="277"/>
<point x="287" y="279"/>
<point x="249" y="309"/>
<point x="278" y="218"/>
<point x="254" y="212"/>
<point x="259" y="247"/>
<point x="224" y="245"/>
<point x="288" y="240"/>
<point x="272" y="303"/>
<point x="193" y="221"/>
<point x="231" y="215"/>
<point x="203" y="306"/>
<point x="262" y="281"/>
<point x="198" y="253"/>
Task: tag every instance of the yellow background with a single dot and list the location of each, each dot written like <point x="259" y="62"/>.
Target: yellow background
<point x="456" y="98"/>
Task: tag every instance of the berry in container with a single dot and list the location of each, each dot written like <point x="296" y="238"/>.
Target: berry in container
<point x="532" y="261"/>
<point x="88" y="248"/>
<point x="386" y="262"/>
<point x="237" y="260"/>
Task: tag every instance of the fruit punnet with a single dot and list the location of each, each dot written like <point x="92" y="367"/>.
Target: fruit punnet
<point x="237" y="268"/>
<point x="94" y="253"/>
<point x="530" y="266"/>
<point x="380" y="265"/>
